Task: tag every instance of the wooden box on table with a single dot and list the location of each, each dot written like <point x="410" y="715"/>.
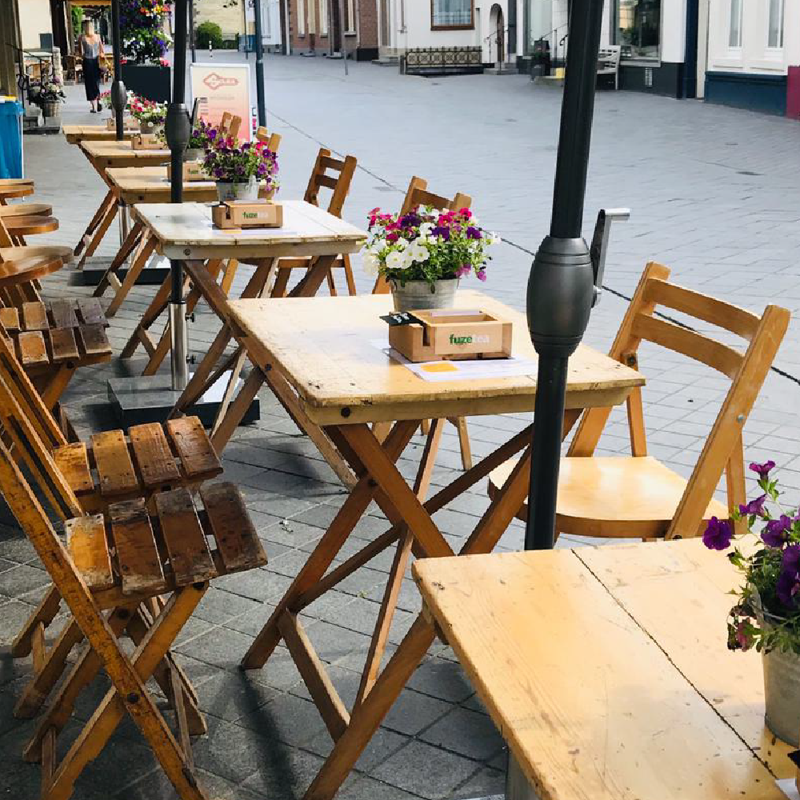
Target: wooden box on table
<point x="452" y="334"/>
<point x="240" y="214"/>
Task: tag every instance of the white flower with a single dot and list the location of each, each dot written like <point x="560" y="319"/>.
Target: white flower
<point x="396" y="260"/>
<point x="418" y="251"/>
<point x="425" y="230"/>
<point x="494" y="238"/>
<point x="402" y="243"/>
<point x="370" y="263"/>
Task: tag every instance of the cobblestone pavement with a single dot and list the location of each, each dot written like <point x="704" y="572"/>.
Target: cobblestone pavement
<point x="713" y="194"/>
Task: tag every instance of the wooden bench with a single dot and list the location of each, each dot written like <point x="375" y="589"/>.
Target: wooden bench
<point x="608" y="62"/>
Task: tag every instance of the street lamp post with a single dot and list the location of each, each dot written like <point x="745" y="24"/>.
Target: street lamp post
<point x="119" y="95"/>
<point x="178" y="129"/>
<point x="262" y="107"/>
<point x="561" y="282"/>
<point x="191" y="31"/>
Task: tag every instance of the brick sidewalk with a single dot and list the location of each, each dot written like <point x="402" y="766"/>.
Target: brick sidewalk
<point x="713" y="194"/>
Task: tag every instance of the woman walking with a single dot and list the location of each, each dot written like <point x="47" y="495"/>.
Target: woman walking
<point x="91" y="48"/>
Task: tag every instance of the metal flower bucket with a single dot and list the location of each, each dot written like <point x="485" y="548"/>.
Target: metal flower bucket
<point x="419" y="295"/>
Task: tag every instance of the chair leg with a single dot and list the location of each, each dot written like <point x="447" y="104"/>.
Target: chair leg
<point x="331" y="283"/>
<point x="463" y="441"/>
<point x="348" y="275"/>
<point x="281" y="282"/>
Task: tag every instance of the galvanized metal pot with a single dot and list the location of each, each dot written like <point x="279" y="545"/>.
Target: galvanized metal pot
<point x="419" y="295"/>
<point x="781" y="690"/>
<point x="237" y="191"/>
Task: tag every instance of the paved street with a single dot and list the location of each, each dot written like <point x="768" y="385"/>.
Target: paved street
<point x="713" y="194"/>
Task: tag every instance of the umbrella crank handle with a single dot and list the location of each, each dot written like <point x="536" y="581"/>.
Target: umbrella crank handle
<point x="599" y="246"/>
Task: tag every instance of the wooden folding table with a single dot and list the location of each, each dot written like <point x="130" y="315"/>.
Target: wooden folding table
<point x="105" y="155"/>
<point x="324" y="358"/>
<point x="184" y="232"/>
<point x="131" y="186"/>
<point x="75" y="134"/>
<point x="606" y="669"/>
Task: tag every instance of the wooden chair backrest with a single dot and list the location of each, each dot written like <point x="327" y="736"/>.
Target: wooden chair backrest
<point x="29" y="430"/>
<point x="5" y="237"/>
<point x="334" y="174"/>
<point x="271" y="140"/>
<point x="747" y="370"/>
<point x="229" y="124"/>
<point x="417" y="194"/>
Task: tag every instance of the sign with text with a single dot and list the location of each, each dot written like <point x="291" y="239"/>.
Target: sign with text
<point x="221" y="88"/>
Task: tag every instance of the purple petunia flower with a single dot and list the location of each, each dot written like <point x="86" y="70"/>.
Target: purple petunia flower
<point x="718" y="534"/>
<point x="442" y="232"/>
<point x="776" y="531"/>
<point x="754" y="507"/>
<point x="482" y="275"/>
<point x="763" y="470"/>
<point x="473" y="233"/>
<point x="786" y="588"/>
<point x="463" y="270"/>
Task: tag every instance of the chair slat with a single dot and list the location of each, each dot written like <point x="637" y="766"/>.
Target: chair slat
<point x="237" y="542"/>
<point x="114" y="465"/>
<point x="693" y="345"/>
<point x="137" y="554"/>
<point x="32" y="349"/>
<point x="86" y="542"/>
<point x="709" y="309"/>
<point x="193" y="446"/>
<point x="73" y="462"/>
<point x="34" y="317"/>
<point x="63" y="345"/>
<point x="91" y="312"/>
<point x="327" y="180"/>
<point x="63" y="314"/>
<point x="327" y="162"/>
<point x="9" y="319"/>
<point x="186" y="543"/>
<point x="153" y="455"/>
<point x="94" y="339"/>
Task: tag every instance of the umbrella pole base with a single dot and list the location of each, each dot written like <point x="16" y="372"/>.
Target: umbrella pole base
<point x="139" y="400"/>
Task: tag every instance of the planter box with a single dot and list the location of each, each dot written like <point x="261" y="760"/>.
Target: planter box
<point x="192" y="171"/>
<point x="149" y="81"/>
<point x="240" y="214"/>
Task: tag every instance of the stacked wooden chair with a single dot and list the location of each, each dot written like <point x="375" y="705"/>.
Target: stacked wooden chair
<point x="139" y="568"/>
<point x="637" y="496"/>
<point x="328" y="173"/>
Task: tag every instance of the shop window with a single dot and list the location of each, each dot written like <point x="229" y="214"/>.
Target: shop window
<point x="301" y="17"/>
<point x="735" y="27"/>
<point x="637" y="27"/>
<point x="451" y="14"/>
<point x="775" y="25"/>
<point x="349" y="16"/>
<point x="323" y="17"/>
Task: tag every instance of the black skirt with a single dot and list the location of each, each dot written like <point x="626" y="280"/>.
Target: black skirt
<point x="91" y="77"/>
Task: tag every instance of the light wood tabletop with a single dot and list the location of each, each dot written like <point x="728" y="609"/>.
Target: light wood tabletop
<point x="327" y="349"/>
<point x="185" y="231"/>
<point x="107" y="154"/>
<point x="151" y="185"/>
<point x="606" y="669"/>
<point x="75" y="134"/>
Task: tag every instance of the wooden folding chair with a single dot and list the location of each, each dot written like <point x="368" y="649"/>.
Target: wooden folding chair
<point x="230" y="124"/>
<point x="637" y="496"/>
<point x="133" y="572"/>
<point x="328" y="173"/>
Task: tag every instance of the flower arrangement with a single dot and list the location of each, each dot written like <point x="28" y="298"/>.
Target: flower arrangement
<point x="144" y="39"/>
<point x="105" y="98"/>
<point x="426" y="245"/>
<point x="766" y="615"/>
<point x="230" y="161"/>
<point x="148" y="111"/>
<point x="47" y="90"/>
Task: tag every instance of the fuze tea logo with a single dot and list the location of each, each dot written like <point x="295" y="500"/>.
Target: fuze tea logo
<point x="475" y="338"/>
<point x="214" y="81"/>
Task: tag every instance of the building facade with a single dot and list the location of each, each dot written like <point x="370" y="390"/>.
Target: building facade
<point x="749" y="49"/>
<point x="325" y="27"/>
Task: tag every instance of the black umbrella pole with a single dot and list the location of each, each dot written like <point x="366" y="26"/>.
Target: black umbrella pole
<point x="119" y="95"/>
<point x="561" y="283"/>
<point x="260" y="98"/>
<point x="178" y="129"/>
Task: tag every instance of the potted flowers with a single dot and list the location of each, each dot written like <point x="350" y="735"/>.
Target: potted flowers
<point x="151" y="116"/>
<point x="239" y="167"/>
<point x="424" y="254"/>
<point x="144" y="46"/>
<point x="48" y="94"/>
<point x="766" y="615"/>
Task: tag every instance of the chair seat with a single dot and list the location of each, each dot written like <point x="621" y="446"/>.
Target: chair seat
<point x="615" y="496"/>
<point x="37" y="251"/>
<point x="31" y="224"/>
<point x="139" y="554"/>
<point x="26" y="210"/>
<point x="151" y="458"/>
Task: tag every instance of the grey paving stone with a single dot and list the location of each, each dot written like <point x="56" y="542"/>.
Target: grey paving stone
<point x="289" y="718"/>
<point x="466" y="732"/>
<point x="23" y="578"/>
<point x="413" y="712"/>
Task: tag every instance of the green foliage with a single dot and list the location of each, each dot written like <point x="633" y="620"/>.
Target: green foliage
<point x="208" y="33"/>
<point x="77" y="19"/>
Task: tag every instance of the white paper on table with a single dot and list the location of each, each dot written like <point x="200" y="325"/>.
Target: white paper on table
<point x="254" y="232"/>
<point x="788" y="787"/>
